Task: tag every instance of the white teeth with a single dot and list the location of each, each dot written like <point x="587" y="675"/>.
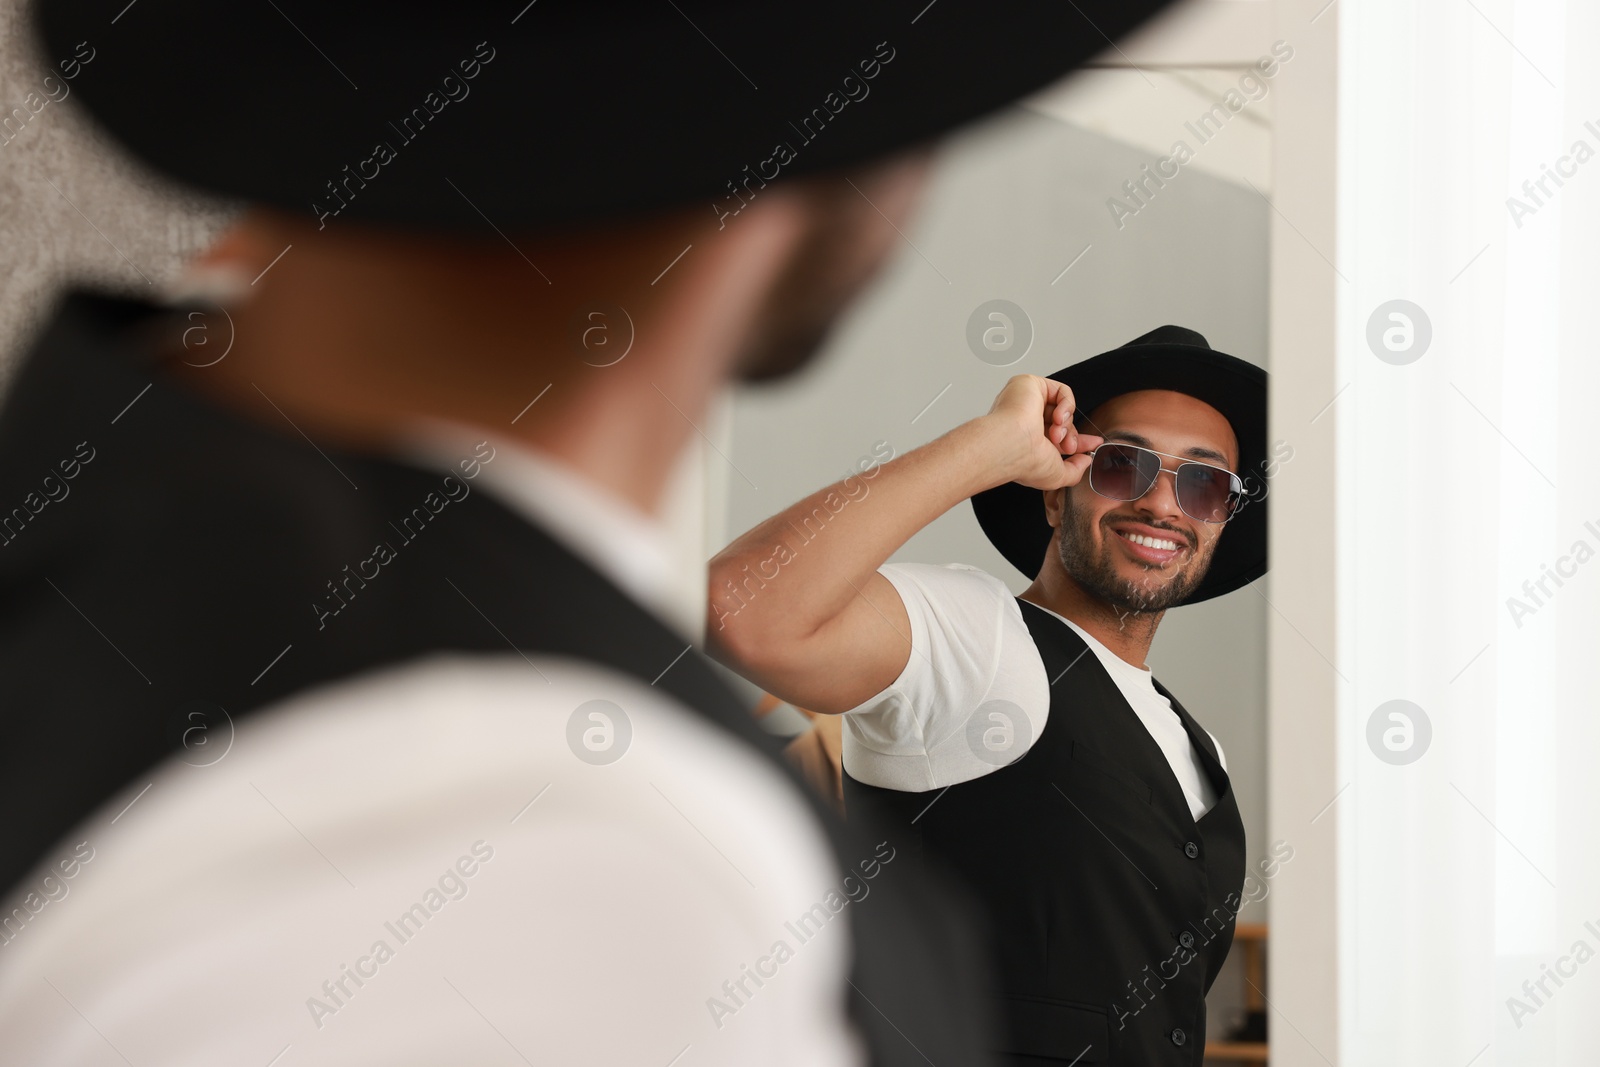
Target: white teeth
<point x="1151" y="542"/>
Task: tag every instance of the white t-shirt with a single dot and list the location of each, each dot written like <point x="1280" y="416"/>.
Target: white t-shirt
<point x="970" y="646"/>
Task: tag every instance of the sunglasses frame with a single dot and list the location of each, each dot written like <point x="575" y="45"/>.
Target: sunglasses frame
<point x="1236" y="483"/>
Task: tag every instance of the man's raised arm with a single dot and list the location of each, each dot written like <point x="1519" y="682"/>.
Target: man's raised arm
<point x="812" y="621"/>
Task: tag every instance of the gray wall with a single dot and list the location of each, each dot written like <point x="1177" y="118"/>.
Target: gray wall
<point x="106" y="220"/>
<point x="1010" y="206"/>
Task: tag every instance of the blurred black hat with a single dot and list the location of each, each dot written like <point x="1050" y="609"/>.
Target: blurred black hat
<point x="538" y="113"/>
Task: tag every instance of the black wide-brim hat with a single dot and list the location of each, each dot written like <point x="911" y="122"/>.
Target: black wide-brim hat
<point x="532" y="114"/>
<point x="1013" y="515"/>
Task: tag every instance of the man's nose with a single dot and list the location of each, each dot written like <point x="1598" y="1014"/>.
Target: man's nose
<point x="1162" y="497"/>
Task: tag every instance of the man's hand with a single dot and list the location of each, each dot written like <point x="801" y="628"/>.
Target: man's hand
<point x="1031" y="425"/>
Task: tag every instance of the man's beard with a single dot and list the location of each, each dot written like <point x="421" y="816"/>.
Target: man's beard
<point x="1152" y="592"/>
<point x="847" y="246"/>
<point x="797" y="317"/>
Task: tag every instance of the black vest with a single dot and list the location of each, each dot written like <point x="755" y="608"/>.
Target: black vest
<point x="191" y="557"/>
<point x="1112" y="909"/>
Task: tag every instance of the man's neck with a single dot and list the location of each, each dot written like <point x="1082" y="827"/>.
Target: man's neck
<point x="1127" y="634"/>
<point x="353" y="338"/>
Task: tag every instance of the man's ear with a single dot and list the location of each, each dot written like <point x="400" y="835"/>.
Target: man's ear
<point x="224" y="270"/>
<point x="1053" y="501"/>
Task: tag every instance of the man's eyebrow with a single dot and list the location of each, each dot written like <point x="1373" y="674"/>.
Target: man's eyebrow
<point x="1139" y="439"/>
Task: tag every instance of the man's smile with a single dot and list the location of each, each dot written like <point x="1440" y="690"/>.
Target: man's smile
<point x="1148" y="544"/>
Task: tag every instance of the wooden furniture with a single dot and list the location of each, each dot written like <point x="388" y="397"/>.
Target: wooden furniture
<point x="1250" y="939"/>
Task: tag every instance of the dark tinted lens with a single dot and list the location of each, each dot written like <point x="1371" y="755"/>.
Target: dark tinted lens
<point x="1122" y="472"/>
<point x="1207" y="493"/>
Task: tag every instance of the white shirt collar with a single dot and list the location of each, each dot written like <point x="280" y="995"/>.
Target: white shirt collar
<point x="626" y="545"/>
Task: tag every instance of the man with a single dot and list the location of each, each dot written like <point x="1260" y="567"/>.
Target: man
<point x="1074" y="794"/>
<point x="351" y="713"/>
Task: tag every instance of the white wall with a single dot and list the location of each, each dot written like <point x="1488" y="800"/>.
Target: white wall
<point x="1472" y="868"/>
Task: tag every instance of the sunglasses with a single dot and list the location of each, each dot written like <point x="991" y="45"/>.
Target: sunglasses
<point x="1127" y="472"/>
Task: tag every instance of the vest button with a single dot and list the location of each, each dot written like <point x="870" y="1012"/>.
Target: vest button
<point x="1186" y="939"/>
<point x="1191" y="850"/>
<point x="1178" y="1036"/>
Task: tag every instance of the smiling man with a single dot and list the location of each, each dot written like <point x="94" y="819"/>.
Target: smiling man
<point x="1087" y="809"/>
